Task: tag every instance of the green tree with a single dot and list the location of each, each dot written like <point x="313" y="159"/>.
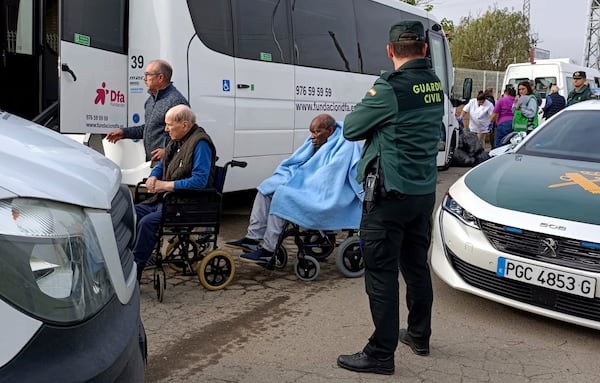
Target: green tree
<point x="448" y="26"/>
<point x="426" y="4"/>
<point x="492" y="41"/>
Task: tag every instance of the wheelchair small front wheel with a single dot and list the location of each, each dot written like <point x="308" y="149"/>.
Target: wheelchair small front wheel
<point x="281" y="257"/>
<point x="216" y="270"/>
<point x="307" y="268"/>
<point x="349" y="260"/>
<point x="160" y="282"/>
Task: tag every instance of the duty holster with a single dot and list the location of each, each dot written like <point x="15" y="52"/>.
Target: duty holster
<point x="373" y="186"/>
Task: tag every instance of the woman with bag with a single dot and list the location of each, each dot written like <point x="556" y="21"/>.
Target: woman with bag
<point x="525" y="109"/>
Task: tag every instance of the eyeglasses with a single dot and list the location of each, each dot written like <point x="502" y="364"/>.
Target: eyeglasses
<point x="146" y="74"/>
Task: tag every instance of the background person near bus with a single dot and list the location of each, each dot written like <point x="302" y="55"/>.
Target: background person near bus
<point x="400" y="118"/>
<point x="581" y="92"/>
<point x="163" y="96"/>
<point x="315" y="187"/>
<point x="189" y="159"/>
<point x="554" y="102"/>
<point x="480" y="111"/>
<point x="489" y="95"/>
<point x="526" y="103"/>
<point x="502" y="114"/>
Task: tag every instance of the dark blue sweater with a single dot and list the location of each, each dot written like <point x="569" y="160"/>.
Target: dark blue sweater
<point x="153" y="131"/>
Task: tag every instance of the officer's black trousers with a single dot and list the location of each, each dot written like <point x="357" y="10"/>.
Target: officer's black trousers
<point x="396" y="232"/>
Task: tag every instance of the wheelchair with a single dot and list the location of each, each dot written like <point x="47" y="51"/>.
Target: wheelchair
<point x="188" y="230"/>
<point x="315" y="246"/>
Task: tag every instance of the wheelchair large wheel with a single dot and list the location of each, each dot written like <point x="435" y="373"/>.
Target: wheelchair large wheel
<point x="160" y="282"/>
<point x="349" y="258"/>
<point x="307" y="268"/>
<point x="318" y="246"/>
<point x="180" y="255"/>
<point x="216" y="270"/>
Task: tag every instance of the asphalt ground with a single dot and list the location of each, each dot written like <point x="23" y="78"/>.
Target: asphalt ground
<point x="267" y="326"/>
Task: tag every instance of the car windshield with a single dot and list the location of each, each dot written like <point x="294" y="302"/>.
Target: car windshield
<point x="573" y="134"/>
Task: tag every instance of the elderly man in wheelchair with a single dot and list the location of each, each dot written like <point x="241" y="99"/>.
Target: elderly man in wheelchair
<point x="188" y="164"/>
<point x="315" y="188"/>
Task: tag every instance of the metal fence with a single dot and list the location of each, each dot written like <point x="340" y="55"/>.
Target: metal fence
<point x="482" y="79"/>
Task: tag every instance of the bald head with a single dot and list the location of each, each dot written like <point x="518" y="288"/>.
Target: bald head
<point x="321" y="127"/>
<point x="178" y="121"/>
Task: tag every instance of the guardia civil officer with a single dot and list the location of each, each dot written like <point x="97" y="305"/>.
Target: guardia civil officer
<point x="400" y="118"/>
<point x="581" y="91"/>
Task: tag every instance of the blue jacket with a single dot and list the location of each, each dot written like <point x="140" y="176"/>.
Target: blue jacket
<point x="554" y="104"/>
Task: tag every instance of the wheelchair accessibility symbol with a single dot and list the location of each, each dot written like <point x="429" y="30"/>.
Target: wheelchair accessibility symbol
<point x="587" y="184"/>
<point x="226" y="86"/>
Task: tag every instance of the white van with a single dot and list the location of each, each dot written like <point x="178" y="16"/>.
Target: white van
<point x="548" y="72"/>
<point x="69" y="301"/>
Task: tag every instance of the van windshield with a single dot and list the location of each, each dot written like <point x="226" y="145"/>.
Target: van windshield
<point x="542" y="84"/>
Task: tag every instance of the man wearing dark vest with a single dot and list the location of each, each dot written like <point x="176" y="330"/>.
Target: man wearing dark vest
<point x="188" y="163"/>
<point x="399" y="118"/>
<point x="554" y="102"/>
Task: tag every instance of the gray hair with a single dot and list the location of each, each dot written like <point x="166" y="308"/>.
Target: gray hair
<point x="164" y="67"/>
<point x="183" y="113"/>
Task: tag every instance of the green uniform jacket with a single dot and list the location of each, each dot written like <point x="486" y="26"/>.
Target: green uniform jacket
<point x="584" y="94"/>
<point x="401" y="118"/>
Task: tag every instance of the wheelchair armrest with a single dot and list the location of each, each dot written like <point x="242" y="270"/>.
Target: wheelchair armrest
<point x="175" y="197"/>
<point x="140" y="192"/>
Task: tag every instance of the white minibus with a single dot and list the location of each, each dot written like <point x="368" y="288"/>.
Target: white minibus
<point x="254" y="71"/>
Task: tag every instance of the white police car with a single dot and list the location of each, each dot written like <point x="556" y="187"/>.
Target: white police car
<point x="69" y="301"/>
<point x="523" y="228"/>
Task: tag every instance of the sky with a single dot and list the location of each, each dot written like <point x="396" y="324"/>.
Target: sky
<point x="561" y="25"/>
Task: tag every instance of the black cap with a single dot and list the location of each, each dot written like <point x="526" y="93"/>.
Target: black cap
<point x="407" y="30"/>
<point x="579" y="74"/>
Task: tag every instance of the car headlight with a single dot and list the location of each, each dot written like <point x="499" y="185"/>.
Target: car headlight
<point x="51" y="265"/>
<point x="451" y="206"/>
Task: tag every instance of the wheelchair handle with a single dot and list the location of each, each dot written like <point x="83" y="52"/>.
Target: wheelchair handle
<point x="240" y="164"/>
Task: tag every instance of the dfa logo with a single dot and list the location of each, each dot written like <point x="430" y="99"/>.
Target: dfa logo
<point x="114" y="97"/>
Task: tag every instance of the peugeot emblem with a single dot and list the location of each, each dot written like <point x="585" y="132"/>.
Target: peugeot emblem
<point x="549" y="246"/>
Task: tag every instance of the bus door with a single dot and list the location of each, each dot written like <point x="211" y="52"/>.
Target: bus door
<point x="28" y="56"/>
<point x="264" y="81"/>
<point x="93" y="65"/>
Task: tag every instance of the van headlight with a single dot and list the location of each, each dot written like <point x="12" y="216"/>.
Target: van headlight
<point x="450" y="205"/>
<point x="51" y="265"/>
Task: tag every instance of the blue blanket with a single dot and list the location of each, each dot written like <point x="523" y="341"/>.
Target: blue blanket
<point x="318" y="191"/>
